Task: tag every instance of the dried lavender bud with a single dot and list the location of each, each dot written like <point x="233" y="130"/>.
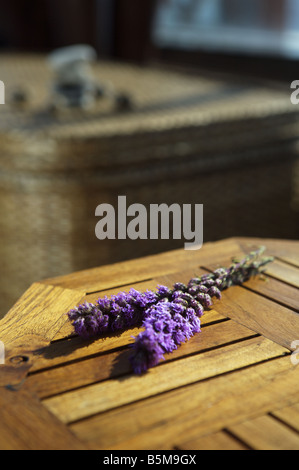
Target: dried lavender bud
<point x="148" y="352"/>
<point x="204" y="299"/>
<point x="215" y="292"/>
<point x="193" y="290"/>
<point x="169" y="316"/>
<point x="107" y="315"/>
<point x="180" y="286"/>
<point x="203" y="288"/>
<point x="164" y="291"/>
<point x="193" y="282"/>
<point x="153" y="342"/>
<point x="177" y="294"/>
<point x="88" y="320"/>
<point x="166" y="326"/>
<point x="209" y="282"/>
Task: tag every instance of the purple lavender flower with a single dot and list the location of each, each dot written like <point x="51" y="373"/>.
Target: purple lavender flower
<point x="108" y="315"/>
<point x="164" y="292"/>
<point x="147" y="352"/>
<point x="169" y="316"/>
<point x="181" y="313"/>
<point x="167" y="324"/>
<point x="214" y="291"/>
<point x="88" y="320"/>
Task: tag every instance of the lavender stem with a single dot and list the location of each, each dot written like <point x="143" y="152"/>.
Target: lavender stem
<point x="169" y="317"/>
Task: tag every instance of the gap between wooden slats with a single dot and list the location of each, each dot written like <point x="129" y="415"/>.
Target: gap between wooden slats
<point x="291" y="261"/>
<point x="78" y="404"/>
<point x="274" y="289"/>
<point x="289" y="415"/>
<point x="116" y="364"/>
<point x="278" y="269"/>
<point x="67" y="347"/>
<point x="221" y="440"/>
<point x="266" y="433"/>
<point x="284" y="272"/>
<point x="250" y="309"/>
<point x="96" y="279"/>
<point x="251" y="305"/>
<point x="141" y="285"/>
<point x="201" y="408"/>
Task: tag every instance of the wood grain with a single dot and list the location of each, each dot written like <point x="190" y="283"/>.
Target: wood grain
<point x="78" y="404"/>
<point x="289" y="415"/>
<point x="273" y="289"/>
<point x="194" y="410"/>
<point x="27" y="425"/>
<point x="232" y="386"/>
<point x="77" y="374"/>
<point x="39" y="312"/>
<point x="266" y="433"/>
<point x="129" y="272"/>
<point x="284" y="272"/>
<point x="30" y="325"/>
<point x="286" y="250"/>
<point x="215" y="441"/>
<point x="260" y="314"/>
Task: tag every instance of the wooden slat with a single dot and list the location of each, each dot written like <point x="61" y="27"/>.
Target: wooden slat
<point x="78" y="404"/>
<point x="292" y="259"/>
<point x="75" y="348"/>
<point x="284" y="272"/>
<point x="220" y="440"/>
<point x="149" y="267"/>
<point x="209" y="406"/>
<point x="30" y="325"/>
<point x="66" y="329"/>
<point x="233" y="385"/>
<point x="260" y="314"/>
<point x="275" y="290"/>
<point x="40" y="312"/>
<point x="27" y="425"/>
<point x="281" y="292"/>
<point x="152" y="284"/>
<point x="289" y="414"/>
<point x="286" y="250"/>
<point x="284" y="293"/>
<point x="266" y="433"/>
<point x="70" y="376"/>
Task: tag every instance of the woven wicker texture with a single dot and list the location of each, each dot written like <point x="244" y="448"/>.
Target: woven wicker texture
<point x="188" y="139"/>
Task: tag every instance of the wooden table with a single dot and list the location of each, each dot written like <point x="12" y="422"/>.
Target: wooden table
<point x="235" y="385"/>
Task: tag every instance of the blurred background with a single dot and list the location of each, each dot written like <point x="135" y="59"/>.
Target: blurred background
<point x="188" y="102"/>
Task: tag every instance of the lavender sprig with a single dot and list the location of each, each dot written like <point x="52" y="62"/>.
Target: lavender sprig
<point x="166" y="325"/>
<point x="108" y="315"/>
<point x="169" y="316"/>
<point x="181" y="324"/>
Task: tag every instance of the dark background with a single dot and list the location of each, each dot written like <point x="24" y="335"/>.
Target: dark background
<point x="121" y="29"/>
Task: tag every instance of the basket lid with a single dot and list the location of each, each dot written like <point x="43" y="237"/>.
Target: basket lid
<point x="173" y="114"/>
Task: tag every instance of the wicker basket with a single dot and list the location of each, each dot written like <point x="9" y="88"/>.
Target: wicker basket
<point x="188" y="139"/>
